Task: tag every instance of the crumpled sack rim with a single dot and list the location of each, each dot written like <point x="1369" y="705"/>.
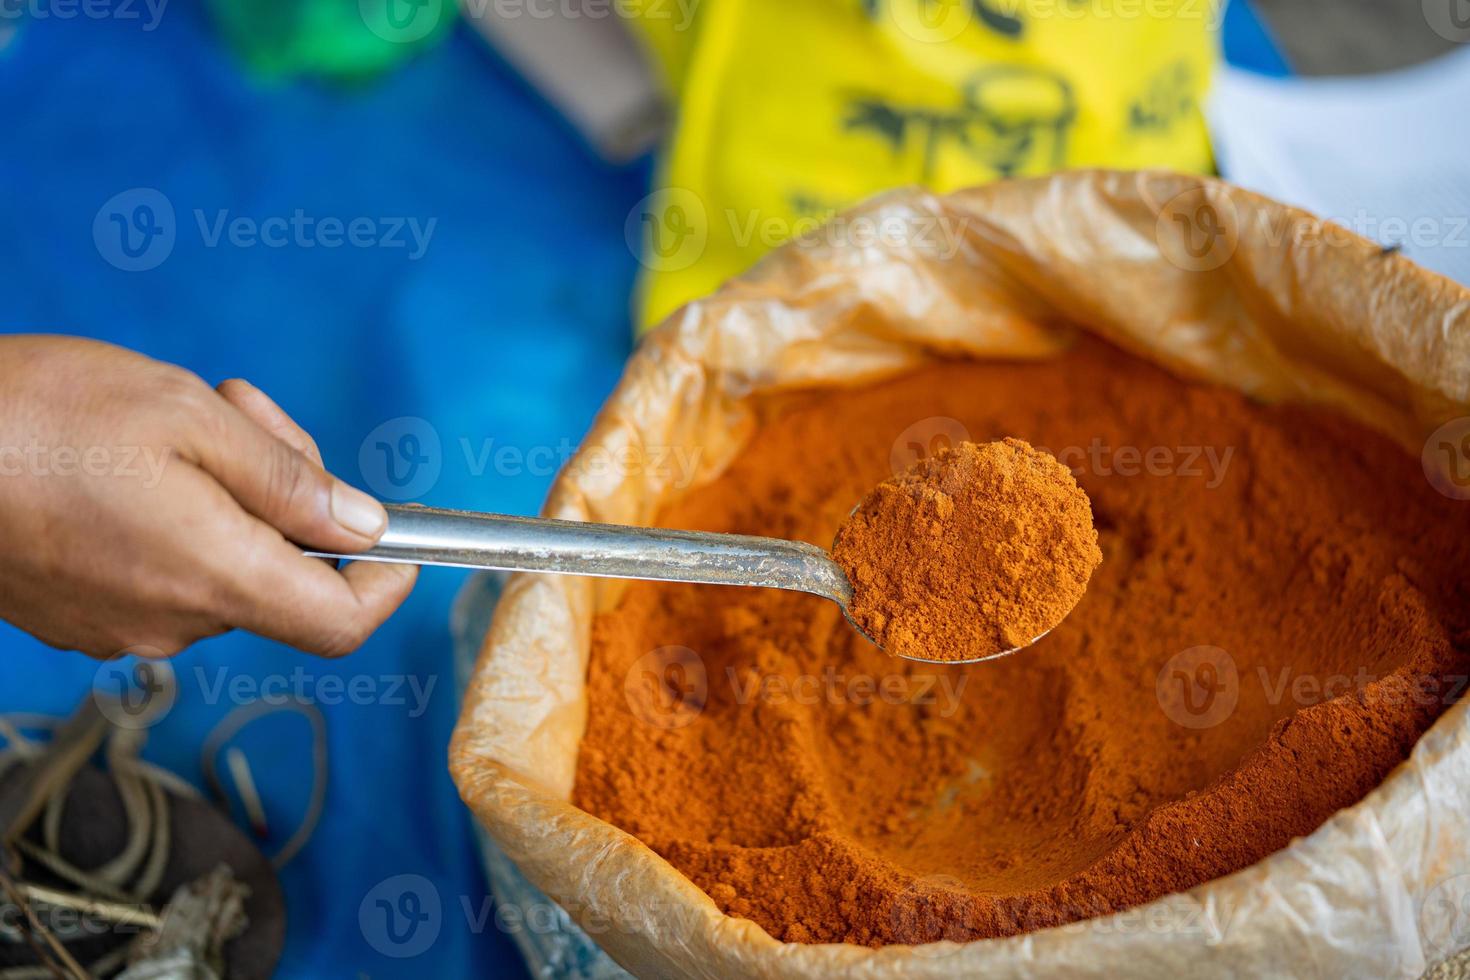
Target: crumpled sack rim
<point x="1348" y="326"/>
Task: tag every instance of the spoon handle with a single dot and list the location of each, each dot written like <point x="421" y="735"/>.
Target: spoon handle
<point x="464" y="539"/>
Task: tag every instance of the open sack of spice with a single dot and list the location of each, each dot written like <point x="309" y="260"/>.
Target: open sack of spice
<point x="1242" y="753"/>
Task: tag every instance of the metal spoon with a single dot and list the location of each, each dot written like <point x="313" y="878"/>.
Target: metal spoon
<point x="465" y="539"/>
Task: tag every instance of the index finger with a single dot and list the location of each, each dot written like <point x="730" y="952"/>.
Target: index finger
<point x="262" y="409"/>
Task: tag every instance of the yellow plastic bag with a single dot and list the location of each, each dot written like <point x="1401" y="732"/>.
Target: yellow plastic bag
<point x="788" y="111"/>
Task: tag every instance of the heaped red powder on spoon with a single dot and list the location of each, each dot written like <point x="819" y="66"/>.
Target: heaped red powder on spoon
<point x="969" y="553"/>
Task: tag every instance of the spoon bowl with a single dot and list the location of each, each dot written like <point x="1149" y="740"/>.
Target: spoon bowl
<point x="466" y="539"/>
<point x="846" y="605"/>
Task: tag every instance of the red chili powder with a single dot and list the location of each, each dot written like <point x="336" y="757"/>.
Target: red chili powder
<point x="1282" y="609"/>
<point x="969" y="553"/>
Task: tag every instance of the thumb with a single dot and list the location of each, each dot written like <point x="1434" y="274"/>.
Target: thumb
<point x="282" y="486"/>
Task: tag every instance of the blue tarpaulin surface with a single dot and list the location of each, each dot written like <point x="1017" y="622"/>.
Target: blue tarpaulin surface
<point x="504" y="335"/>
<point x="452" y="350"/>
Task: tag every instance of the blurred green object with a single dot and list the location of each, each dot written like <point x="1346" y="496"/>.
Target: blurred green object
<point x="342" y="39"/>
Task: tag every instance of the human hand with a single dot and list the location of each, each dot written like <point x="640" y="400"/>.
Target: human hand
<point x="141" y="508"/>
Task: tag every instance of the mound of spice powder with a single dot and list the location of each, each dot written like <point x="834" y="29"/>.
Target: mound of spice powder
<point x="969" y="553"/>
<point x="1282" y="609"/>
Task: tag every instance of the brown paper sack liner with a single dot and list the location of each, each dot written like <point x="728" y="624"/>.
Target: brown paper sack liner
<point x="1207" y="279"/>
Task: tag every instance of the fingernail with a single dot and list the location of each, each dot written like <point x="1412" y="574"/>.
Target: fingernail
<point x="357" y="512"/>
